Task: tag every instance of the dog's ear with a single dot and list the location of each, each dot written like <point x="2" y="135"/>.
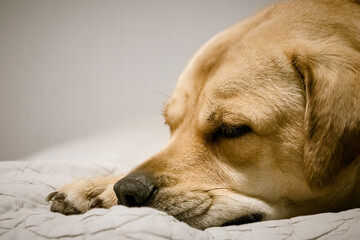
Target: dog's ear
<point x="331" y="80"/>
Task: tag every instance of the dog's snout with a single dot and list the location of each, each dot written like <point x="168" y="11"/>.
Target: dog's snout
<point x="134" y="191"/>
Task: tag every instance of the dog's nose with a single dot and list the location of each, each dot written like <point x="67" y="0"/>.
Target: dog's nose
<point x="134" y="191"/>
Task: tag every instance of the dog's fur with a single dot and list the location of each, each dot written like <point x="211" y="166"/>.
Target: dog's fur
<point x="264" y="121"/>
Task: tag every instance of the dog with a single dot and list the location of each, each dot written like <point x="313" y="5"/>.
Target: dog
<point x="264" y="122"/>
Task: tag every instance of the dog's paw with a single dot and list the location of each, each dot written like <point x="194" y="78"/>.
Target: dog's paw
<point x="82" y="195"/>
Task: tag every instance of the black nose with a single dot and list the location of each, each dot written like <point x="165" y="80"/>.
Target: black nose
<point x="134" y="191"/>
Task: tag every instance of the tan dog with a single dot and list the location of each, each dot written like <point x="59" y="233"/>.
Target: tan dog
<point x="264" y="121"/>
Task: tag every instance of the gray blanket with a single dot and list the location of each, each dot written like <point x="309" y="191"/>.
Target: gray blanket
<point x="24" y="213"/>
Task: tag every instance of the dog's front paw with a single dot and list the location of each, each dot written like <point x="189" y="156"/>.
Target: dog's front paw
<point x="82" y="195"/>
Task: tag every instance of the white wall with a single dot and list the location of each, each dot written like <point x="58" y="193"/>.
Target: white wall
<point x="72" y="67"/>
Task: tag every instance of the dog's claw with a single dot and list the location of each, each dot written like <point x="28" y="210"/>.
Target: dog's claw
<point x="51" y="196"/>
<point x="60" y="205"/>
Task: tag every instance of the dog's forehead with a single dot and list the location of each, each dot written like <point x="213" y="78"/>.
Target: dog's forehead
<point x="228" y="77"/>
<point x="234" y="76"/>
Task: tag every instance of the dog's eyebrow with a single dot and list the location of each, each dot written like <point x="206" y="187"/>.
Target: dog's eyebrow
<point x="173" y="113"/>
<point x="165" y="112"/>
<point x="165" y="109"/>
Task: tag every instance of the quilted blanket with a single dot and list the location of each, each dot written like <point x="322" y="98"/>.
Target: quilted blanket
<point x="24" y="213"/>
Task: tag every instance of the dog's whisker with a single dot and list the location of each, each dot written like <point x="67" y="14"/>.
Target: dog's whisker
<point x="162" y="93"/>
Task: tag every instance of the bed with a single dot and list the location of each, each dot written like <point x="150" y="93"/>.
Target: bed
<point x="25" y="183"/>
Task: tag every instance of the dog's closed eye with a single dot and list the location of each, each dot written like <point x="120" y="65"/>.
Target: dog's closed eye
<point x="231" y="131"/>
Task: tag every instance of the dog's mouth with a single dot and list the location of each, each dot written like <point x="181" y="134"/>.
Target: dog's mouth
<point x="254" y="217"/>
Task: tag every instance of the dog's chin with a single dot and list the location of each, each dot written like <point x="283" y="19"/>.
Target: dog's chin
<point x="200" y="209"/>
<point x="254" y="217"/>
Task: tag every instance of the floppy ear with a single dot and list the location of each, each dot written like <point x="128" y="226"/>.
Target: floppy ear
<point x="332" y="115"/>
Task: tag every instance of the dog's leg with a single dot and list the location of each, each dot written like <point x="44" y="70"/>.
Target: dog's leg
<point x="82" y="195"/>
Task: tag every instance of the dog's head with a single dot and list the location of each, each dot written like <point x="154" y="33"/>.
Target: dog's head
<point x="261" y="128"/>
